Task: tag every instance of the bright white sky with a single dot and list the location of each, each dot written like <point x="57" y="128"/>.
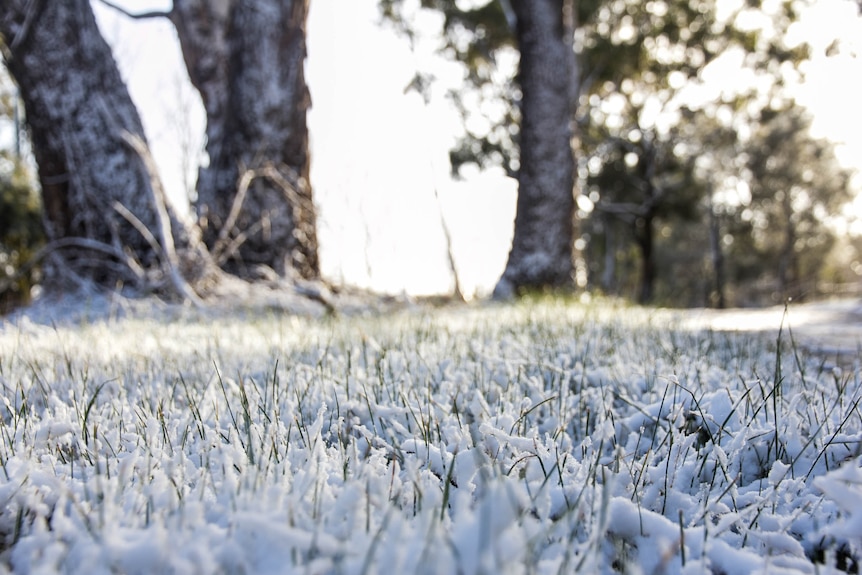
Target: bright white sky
<point x="379" y="154"/>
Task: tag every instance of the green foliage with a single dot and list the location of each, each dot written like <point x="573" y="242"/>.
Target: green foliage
<point x="21" y="233"/>
<point x="653" y="153"/>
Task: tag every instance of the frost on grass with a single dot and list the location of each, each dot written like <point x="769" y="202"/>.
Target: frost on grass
<point x="533" y="438"/>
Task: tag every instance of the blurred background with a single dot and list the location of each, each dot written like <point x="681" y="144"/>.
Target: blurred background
<point x="718" y="145"/>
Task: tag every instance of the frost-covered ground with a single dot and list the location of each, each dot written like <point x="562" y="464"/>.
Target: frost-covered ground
<point x="540" y="437"/>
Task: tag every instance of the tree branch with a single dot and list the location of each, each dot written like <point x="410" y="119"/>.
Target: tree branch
<point x="137" y="16"/>
<point x="139" y="225"/>
<point x="289" y="184"/>
<point x="172" y="261"/>
<point x="450" y="253"/>
<point x="511" y="18"/>
<point x="218" y="251"/>
<point x="34" y="8"/>
<point x="74" y="242"/>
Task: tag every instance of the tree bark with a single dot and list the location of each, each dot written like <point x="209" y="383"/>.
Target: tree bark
<point x="543" y="242"/>
<point x="246" y="59"/>
<point x="103" y="213"/>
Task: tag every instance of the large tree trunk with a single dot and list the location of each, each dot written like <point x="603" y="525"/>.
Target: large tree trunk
<point x="105" y="212"/>
<point x="254" y="199"/>
<point x="542" y="247"/>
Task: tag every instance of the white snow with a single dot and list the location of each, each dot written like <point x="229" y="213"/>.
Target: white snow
<point x="536" y="437"/>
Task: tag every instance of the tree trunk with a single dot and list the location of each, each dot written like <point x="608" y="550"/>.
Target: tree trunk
<point x="105" y="213"/>
<point x="254" y="200"/>
<point x="644" y="235"/>
<point x="542" y="246"/>
<point x="717" y="297"/>
<point x="609" y="273"/>
<point x="786" y="268"/>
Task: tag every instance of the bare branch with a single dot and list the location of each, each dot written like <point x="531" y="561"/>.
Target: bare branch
<point x="34" y="8"/>
<point x="172" y="260"/>
<point x="74" y="242"/>
<point x="225" y="252"/>
<point x="285" y="179"/>
<point x="219" y="252"/>
<point x="137" y="16"/>
<point x="450" y="252"/>
<point x="511" y="18"/>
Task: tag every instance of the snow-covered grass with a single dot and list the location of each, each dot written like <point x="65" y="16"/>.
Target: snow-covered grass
<point x="540" y="437"/>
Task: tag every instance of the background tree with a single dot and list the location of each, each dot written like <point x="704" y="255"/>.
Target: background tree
<point x="643" y="181"/>
<point x="254" y="197"/>
<point x="644" y="64"/>
<point x="662" y="149"/>
<point x="796" y="184"/>
<point x="544" y="92"/>
<point x="543" y="240"/>
<point x="106" y="216"/>
<point x="733" y="241"/>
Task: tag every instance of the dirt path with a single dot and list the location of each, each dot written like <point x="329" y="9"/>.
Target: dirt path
<point x="831" y="327"/>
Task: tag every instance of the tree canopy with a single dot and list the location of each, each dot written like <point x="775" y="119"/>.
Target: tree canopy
<point x="664" y="144"/>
